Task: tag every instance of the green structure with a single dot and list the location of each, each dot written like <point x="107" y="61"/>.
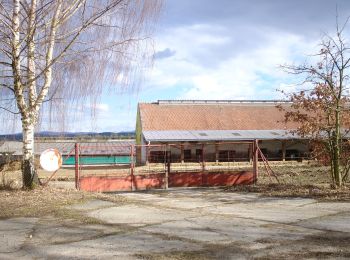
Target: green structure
<point x="96" y="160"/>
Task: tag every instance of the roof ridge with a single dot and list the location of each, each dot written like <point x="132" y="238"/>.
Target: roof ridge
<point x="218" y="101"/>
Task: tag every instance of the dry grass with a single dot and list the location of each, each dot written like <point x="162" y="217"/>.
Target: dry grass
<point x="290" y="190"/>
<point x="9" y="175"/>
<point x="48" y="201"/>
<point x="308" y="174"/>
<point x="310" y="181"/>
<point x="7" y="183"/>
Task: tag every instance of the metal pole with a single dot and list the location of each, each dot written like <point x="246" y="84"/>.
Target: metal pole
<point x="77" y="177"/>
<point x="167" y="155"/>
<point x="216" y="152"/>
<point x="182" y="157"/>
<point x="203" y="161"/>
<point x="283" y="151"/>
<point x="255" y="160"/>
<point x="132" y="167"/>
<point x="204" y="176"/>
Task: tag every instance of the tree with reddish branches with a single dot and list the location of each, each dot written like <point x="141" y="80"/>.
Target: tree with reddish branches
<point x="323" y="110"/>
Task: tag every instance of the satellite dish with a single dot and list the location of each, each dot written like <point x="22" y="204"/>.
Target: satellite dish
<point x="51" y="160"/>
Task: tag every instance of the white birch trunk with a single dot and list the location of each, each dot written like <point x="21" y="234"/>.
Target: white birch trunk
<point x="34" y="31"/>
<point x="29" y="174"/>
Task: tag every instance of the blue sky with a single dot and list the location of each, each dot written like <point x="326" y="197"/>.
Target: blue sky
<point x="225" y="49"/>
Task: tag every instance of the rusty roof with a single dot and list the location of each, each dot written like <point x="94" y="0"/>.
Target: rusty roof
<point x="253" y="115"/>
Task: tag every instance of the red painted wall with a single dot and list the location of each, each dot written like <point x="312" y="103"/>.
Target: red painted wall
<point x="156" y="181"/>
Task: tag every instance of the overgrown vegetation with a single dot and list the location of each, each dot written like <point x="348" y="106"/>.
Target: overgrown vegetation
<point x="321" y="109"/>
<point x="309" y="181"/>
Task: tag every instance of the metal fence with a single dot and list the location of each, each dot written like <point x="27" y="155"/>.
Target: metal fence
<point x="165" y="165"/>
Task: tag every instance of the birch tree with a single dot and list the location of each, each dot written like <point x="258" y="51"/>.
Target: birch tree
<point x="66" y="51"/>
<point x="322" y="109"/>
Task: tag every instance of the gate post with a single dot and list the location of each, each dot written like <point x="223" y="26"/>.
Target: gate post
<point x="255" y="160"/>
<point x="77" y="177"/>
<point x="203" y="173"/>
<point x="167" y="170"/>
<point x="132" y="167"/>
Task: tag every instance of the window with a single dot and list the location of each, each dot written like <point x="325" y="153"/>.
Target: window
<point x="264" y="152"/>
<point x="156" y="157"/>
<point x="187" y="155"/>
<point x="227" y="156"/>
<point x="203" y="134"/>
<point x="236" y="134"/>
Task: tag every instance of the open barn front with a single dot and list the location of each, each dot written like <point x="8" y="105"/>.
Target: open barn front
<point x="172" y="165"/>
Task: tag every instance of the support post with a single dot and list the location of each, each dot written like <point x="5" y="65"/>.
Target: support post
<point x="203" y="159"/>
<point x="132" y="148"/>
<point x="216" y="152"/>
<point x="250" y="153"/>
<point x="283" y="151"/>
<point x="167" y="170"/>
<point x="147" y="154"/>
<point x="182" y="157"/>
<point x="77" y="175"/>
<point x="255" y="160"/>
<point x="204" y="174"/>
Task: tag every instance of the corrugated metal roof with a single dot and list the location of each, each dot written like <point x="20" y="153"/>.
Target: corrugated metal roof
<point x="216" y="135"/>
<point x="86" y="148"/>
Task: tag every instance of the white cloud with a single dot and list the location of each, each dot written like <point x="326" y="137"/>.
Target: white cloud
<point x="102" y="107"/>
<point x="95" y="107"/>
<point x="248" y="73"/>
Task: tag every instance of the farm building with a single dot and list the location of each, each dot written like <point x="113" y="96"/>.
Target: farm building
<point x="91" y="153"/>
<point x="220" y="131"/>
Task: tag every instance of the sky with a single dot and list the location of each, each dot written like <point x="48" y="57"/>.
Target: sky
<point x="224" y="49"/>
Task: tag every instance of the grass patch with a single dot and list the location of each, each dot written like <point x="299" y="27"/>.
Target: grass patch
<point x="290" y="190"/>
<point x="6" y="182"/>
<point x="308" y="181"/>
<point x="303" y="174"/>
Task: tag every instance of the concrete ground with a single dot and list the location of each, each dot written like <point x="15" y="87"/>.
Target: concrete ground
<point x="186" y="224"/>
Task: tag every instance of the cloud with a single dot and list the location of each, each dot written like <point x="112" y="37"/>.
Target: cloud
<point x="298" y="16"/>
<point x="94" y="107"/>
<point x="102" y="107"/>
<point x="224" y="49"/>
<point x="166" y="53"/>
<point x="215" y="66"/>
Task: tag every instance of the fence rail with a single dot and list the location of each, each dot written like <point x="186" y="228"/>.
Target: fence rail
<point x="163" y="166"/>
